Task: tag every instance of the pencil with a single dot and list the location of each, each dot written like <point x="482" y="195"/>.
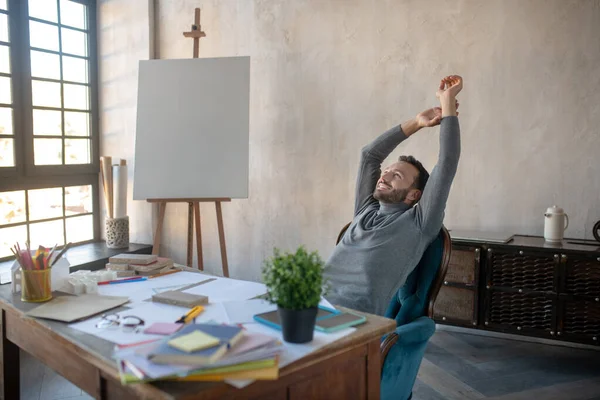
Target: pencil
<point x="60" y="254"/>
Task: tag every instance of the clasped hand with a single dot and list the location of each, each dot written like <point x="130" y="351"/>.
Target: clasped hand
<point x="449" y="87"/>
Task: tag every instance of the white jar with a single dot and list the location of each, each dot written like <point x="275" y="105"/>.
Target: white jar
<point x="555" y="224"/>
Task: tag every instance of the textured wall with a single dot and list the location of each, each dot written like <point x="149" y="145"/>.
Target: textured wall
<point x="124" y="38"/>
<point x="327" y="76"/>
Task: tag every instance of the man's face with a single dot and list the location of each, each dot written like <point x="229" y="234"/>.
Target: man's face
<point x="396" y="184"/>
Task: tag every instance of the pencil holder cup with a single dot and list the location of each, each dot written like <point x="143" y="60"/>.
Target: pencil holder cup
<point x="36" y="285"/>
<point x="117" y="233"/>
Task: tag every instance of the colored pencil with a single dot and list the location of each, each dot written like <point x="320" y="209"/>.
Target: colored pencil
<point x="131" y="278"/>
<point x="60" y="254"/>
<point x="141" y="278"/>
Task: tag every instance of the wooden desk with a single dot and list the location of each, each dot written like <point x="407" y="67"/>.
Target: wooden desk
<point x="346" y="369"/>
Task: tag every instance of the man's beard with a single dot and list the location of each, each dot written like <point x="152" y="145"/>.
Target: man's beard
<point x="393" y="196"/>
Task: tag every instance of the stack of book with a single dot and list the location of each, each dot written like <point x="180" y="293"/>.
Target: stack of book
<point x="138" y="264"/>
<point x="202" y="352"/>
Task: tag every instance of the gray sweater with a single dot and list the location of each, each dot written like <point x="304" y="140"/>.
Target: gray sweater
<point x="384" y="242"/>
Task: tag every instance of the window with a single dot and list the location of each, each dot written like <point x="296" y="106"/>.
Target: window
<point x="48" y="123"/>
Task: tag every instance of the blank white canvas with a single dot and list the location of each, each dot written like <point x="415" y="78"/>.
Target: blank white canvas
<point x="192" y="128"/>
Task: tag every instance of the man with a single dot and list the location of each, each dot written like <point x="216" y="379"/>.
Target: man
<point x="398" y="212"/>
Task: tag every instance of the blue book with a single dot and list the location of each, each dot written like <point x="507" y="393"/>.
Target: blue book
<point x="228" y="336"/>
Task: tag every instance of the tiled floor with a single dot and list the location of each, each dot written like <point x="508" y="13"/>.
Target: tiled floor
<point x="462" y="366"/>
<point x="41" y="383"/>
<point x="457" y="366"/>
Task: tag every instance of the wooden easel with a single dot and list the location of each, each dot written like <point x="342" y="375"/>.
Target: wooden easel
<point x="193" y="204"/>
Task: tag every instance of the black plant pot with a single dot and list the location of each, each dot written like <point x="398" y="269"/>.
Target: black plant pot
<point x="298" y="325"/>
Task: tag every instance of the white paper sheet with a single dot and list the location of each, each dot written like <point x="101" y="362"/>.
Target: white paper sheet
<point x="224" y="289"/>
<point x="5" y="274"/>
<point x="243" y="312"/>
<point x="229" y="303"/>
<point x="150" y="313"/>
<point x="326" y="303"/>
<point x="293" y="352"/>
<point x="140" y="291"/>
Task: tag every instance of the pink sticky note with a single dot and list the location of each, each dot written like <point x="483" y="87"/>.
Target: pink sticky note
<point x="163" y="328"/>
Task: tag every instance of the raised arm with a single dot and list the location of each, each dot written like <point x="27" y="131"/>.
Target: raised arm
<point x="376" y="152"/>
<point x="430" y="210"/>
<point x="369" y="169"/>
<point x="373" y="154"/>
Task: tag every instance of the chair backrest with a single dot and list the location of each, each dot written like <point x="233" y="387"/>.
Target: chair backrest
<point x="417" y="296"/>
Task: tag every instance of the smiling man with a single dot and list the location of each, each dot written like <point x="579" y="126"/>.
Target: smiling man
<point x="398" y="212"/>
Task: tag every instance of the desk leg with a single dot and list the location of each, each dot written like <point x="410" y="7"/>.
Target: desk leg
<point x="373" y="369"/>
<point x="9" y="368"/>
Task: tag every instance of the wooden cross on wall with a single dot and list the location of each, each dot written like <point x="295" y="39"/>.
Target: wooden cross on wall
<point x="196" y="32"/>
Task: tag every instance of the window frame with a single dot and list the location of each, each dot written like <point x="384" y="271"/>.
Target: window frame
<point x="25" y="174"/>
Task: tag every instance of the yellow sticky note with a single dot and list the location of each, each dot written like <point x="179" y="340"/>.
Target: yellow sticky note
<point x="196" y="340"/>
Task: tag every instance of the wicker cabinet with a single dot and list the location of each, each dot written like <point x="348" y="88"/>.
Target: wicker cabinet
<point x="521" y="291"/>
<point x="580" y="299"/>
<point x="524" y="287"/>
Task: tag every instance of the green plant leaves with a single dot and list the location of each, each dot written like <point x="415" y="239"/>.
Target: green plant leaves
<point x="294" y="280"/>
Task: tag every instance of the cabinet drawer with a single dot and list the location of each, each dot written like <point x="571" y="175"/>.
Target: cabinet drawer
<point x="521" y="312"/>
<point x="464" y="265"/>
<point x="457" y="305"/>
<point x="522" y="270"/>
<point x="581" y="320"/>
<point x="583" y="276"/>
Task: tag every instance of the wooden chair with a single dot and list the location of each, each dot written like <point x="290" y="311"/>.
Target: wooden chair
<point x="402" y="350"/>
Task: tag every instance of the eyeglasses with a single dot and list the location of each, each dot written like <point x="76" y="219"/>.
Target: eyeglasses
<point x="128" y="323"/>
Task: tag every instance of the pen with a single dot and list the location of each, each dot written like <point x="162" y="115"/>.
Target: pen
<point x="190" y="315"/>
<point x="131" y="278"/>
<point x="125" y="280"/>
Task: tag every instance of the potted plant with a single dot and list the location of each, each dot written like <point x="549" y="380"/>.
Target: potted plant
<point x="295" y="283"/>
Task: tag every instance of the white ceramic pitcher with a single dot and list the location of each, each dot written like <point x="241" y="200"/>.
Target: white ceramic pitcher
<point x="555" y="224"/>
